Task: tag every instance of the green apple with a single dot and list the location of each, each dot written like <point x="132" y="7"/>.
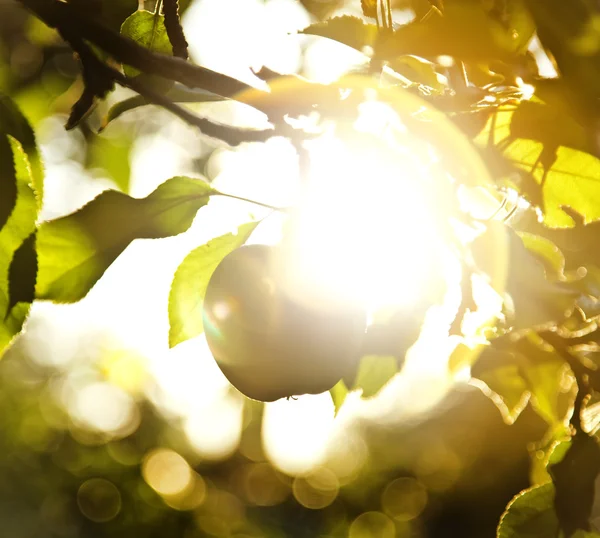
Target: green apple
<point x="270" y="343"/>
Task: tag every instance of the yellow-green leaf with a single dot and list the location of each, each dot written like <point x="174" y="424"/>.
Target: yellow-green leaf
<point x="74" y="251"/>
<point x="530" y="515"/>
<point x="191" y="279"/>
<point x="146" y="29"/>
<point x="19" y="226"/>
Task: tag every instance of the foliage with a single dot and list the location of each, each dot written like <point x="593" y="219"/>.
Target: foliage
<point x="471" y="61"/>
<point x="190" y="282"/>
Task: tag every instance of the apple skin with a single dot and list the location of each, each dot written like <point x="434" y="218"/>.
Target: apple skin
<point x="268" y="345"/>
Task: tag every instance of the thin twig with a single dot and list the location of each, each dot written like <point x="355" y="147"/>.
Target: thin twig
<point x="174" y="29"/>
<point x="255" y="202"/>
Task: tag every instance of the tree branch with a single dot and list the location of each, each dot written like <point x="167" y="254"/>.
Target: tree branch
<point x="174" y="29"/>
<point x="64" y="17"/>
<point x="103" y="76"/>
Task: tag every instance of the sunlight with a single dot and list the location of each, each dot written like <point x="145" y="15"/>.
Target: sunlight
<point x="367" y="225"/>
<point x="369" y="206"/>
<point x="368" y="228"/>
<point x="295" y="432"/>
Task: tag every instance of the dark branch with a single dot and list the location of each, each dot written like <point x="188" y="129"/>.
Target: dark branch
<point x="174" y="29"/>
<point x="103" y="76"/>
<point x="96" y="83"/>
<point x="64" y="17"/>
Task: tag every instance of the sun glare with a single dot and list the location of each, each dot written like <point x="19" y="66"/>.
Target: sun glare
<point x="369" y="204"/>
<point x="367" y="227"/>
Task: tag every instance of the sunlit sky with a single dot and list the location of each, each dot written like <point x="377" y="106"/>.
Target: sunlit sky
<point x="123" y="321"/>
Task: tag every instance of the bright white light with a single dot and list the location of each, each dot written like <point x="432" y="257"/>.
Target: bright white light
<point x="326" y="60"/>
<point x="295" y="432"/>
<point x="103" y="407"/>
<point x="266" y="29"/>
<point x="367" y="227"/>
<point x="188" y="378"/>
<point x="215" y="431"/>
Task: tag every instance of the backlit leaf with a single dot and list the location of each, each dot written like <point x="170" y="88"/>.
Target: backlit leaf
<point x="22" y="273"/>
<point x="191" y="280"/>
<point x="417" y="70"/>
<point x="374" y="371"/>
<point x="147" y="29"/>
<point x="444" y="34"/>
<point x="544" y="372"/>
<point x="504" y="383"/>
<point x="574" y="477"/>
<point x="111" y="154"/>
<point x="524" y="372"/>
<point x="14" y="123"/>
<point x="535" y="300"/>
<point x="553" y="151"/>
<point x="546" y="251"/>
<point x="530" y="515"/>
<point x="8" y="181"/>
<point x="338" y="395"/>
<point x="74" y="251"/>
<point x="350" y="31"/>
<point x="19" y="226"/>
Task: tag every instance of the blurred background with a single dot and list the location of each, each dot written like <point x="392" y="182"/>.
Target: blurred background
<point x="105" y="431"/>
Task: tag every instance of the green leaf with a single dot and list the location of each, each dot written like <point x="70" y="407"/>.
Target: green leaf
<point x="546" y="251"/>
<point x="14" y="123"/>
<point x="569" y="31"/>
<point x="74" y="251"/>
<point x="578" y="244"/>
<point x="18" y="228"/>
<point x="190" y="282"/>
<point x="374" y="371"/>
<point x="462" y="357"/>
<point x="572" y="180"/>
<point x="338" y="395"/>
<point x="446" y="34"/>
<point x="112" y="155"/>
<point x="574" y="477"/>
<point x="544" y="372"/>
<point x="555" y="155"/>
<point x="350" y="31"/>
<point x="504" y="385"/>
<point x="8" y="181"/>
<point x="525" y="371"/>
<point x="535" y="300"/>
<point x="417" y="70"/>
<point x="530" y="515"/>
<point x="22" y="274"/>
<point x="146" y="29"/>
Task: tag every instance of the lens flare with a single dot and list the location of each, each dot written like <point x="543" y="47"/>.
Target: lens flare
<point x="379" y="195"/>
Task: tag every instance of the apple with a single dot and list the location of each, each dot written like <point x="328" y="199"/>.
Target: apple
<point x="268" y="341"/>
